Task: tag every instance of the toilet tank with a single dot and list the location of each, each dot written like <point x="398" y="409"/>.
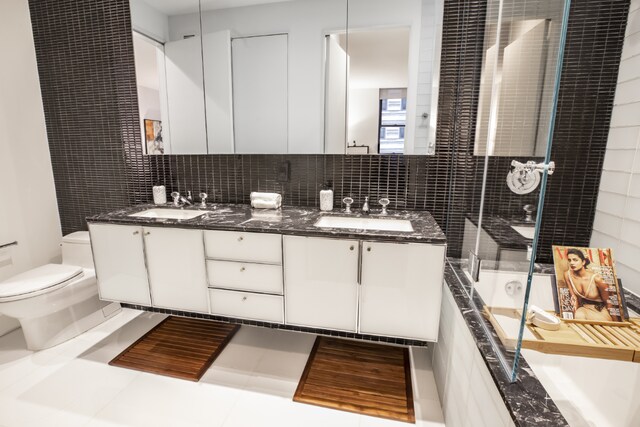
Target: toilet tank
<point x="76" y="249"/>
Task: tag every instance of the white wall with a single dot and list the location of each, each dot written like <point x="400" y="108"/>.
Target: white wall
<point x="617" y="220"/>
<point x="363" y="117"/>
<point x="29" y="211"/>
<point x="468" y="394"/>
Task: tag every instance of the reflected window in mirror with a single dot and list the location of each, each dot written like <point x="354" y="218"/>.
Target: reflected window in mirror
<point x="392" y="45"/>
<point x="393" y="120"/>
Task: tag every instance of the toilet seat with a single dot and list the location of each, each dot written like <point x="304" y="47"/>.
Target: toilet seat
<point x="37" y="281"/>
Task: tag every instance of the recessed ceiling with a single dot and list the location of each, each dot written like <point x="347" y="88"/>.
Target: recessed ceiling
<point x="180" y="7"/>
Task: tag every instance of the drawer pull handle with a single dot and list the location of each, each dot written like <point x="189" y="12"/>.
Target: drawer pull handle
<point x="136" y="232"/>
<point x="351" y="248"/>
<point x="240" y="239"/>
<point x="369" y="249"/>
<point x="244" y="298"/>
<point x="242" y="269"/>
<point x="146" y="233"/>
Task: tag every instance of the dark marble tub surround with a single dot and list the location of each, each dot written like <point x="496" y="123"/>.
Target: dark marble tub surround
<point x="500" y="230"/>
<point x="526" y="399"/>
<point x="287" y="220"/>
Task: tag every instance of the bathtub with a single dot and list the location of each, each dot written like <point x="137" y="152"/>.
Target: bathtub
<point x="588" y="392"/>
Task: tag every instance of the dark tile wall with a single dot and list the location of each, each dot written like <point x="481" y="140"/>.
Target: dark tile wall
<point x="85" y="60"/>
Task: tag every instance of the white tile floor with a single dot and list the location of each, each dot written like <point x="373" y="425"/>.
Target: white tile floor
<point x="250" y="384"/>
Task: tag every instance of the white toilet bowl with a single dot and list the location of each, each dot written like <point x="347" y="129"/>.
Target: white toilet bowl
<point x="56" y="302"/>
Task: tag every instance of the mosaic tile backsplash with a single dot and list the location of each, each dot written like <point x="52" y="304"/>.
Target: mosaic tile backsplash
<point x="85" y="60"/>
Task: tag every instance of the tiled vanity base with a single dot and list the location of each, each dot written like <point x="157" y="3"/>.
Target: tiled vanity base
<point x="317" y="331"/>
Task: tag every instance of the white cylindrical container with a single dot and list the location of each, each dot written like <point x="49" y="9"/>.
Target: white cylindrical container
<point x="159" y="195"/>
<point x="326" y="199"/>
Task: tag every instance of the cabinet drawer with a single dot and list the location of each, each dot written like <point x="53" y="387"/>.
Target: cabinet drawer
<point x="247" y="305"/>
<point x="237" y="246"/>
<point x="245" y="276"/>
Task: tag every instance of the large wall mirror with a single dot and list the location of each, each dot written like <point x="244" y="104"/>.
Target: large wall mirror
<point x="517" y="80"/>
<point x="287" y="76"/>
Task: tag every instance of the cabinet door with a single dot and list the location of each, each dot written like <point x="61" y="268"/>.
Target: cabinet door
<point x="119" y="261"/>
<point x="321" y="282"/>
<point x="175" y="258"/>
<point x="401" y="289"/>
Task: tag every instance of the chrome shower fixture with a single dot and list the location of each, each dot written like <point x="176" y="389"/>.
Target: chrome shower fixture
<point x="523" y="178"/>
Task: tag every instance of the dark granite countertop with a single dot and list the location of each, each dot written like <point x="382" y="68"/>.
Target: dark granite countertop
<point x="500" y="230"/>
<point x="287" y="220"/>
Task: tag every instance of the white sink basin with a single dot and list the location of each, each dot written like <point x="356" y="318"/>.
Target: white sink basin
<point x="364" y="223"/>
<point x="524" y="230"/>
<point x="169" y="213"/>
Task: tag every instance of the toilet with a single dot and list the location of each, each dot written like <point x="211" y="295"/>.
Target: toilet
<point x="56" y="302"/>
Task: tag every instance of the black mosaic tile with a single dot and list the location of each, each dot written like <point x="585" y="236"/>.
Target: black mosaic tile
<point x="84" y="51"/>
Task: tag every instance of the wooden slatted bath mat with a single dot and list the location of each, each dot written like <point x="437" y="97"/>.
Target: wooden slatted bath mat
<point x="353" y="376"/>
<point x="178" y="347"/>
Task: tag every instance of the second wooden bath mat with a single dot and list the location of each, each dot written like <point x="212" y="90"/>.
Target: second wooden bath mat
<point x="368" y="379"/>
<point x="177" y="347"/>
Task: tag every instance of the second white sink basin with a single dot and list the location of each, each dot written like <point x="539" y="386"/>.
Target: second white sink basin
<point x="524" y="231"/>
<point x="364" y="223"/>
<point x="169" y="213"/>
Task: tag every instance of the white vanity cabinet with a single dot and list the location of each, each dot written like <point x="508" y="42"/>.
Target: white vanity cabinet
<point x="321" y="282"/>
<point x="401" y="289"/>
<point x="152" y="266"/>
<point x="177" y="274"/>
<point x="245" y="275"/>
<point x="118" y="255"/>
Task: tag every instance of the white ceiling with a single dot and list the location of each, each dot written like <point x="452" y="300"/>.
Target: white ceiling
<point x="180" y="7"/>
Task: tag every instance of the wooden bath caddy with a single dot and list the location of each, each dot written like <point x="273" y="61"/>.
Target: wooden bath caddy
<point x="603" y="340"/>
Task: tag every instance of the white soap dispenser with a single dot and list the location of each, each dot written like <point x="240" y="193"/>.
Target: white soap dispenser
<point x="326" y="197"/>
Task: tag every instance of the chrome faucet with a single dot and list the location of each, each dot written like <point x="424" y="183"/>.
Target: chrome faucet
<point x="365" y="205"/>
<point x="384" y="202"/>
<point x="347" y="201"/>
<point x="179" y="201"/>
<point x="528" y="212"/>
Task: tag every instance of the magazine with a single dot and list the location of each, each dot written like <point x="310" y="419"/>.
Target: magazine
<point x="586" y="285"/>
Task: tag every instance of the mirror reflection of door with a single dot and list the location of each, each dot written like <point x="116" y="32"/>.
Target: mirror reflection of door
<point x="152" y="94"/>
<point x="260" y="94"/>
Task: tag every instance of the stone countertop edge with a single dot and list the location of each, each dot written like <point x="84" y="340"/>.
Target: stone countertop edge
<point x="286" y="220"/>
<point x="499" y="229"/>
<point x="526" y="399"/>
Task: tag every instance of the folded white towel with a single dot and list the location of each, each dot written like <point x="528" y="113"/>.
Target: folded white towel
<point x="265" y="200"/>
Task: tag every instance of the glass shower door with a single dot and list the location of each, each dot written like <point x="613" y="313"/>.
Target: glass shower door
<point x="521" y="66"/>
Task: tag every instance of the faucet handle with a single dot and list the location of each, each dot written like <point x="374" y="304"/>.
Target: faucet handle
<point x="528" y="210"/>
<point x="384" y="202"/>
<point x="347" y="201"/>
<point x="176" y="198"/>
<point x="203" y="200"/>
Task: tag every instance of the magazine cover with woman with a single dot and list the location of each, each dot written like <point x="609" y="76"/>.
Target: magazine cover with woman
<point x="587" y="285"/>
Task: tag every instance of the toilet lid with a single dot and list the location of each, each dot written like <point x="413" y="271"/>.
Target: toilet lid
<point x="38" y="279"/>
